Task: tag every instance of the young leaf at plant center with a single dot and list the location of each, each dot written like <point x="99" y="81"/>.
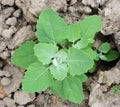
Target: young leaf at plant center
<point x="74" y="32"/>
<point x="59" y="68"/>
<point x="51" y="28"/>
<point x="24" y="55"/>
<point x="45" y="52"/>
<point x="59" y="72"/>
<point x="79" y="62"/>
<point x="104" y="48"/>
<point x="37" y="78"/>
<point x="69" y="89"/>
<point x="89" y="27"/>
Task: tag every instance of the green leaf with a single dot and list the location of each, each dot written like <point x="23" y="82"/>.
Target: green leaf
<point x="82" y="77"/>
<point x="61" y="56"/>
<point x="59" y="72"/>
<point x="89" y="27"/>
<point x="37" y="78"/>
<point x="104" y="48"/>
<point x="24" y="55"/>
<point x="112" y="55"/>
<point x="50" y="27"/>
<point x="80" y="44"/>
<point x="90" y="52"/>
<point x="59" y="68"/>
<point x="79" y="62"/>
<point x="102" y="56"/>
<point x="74" y="32"/>
<point x="116" y="89"/>
<point x="69" y="89"/>
<point x="45" y="52"/>
<point x="92" y="69"/>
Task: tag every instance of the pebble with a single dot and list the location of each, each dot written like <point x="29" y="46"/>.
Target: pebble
<point x="11" y="21"/>
<point x="2" y="46"/>
<point x="72" y="2"/>
<point x="5" y="81"/>
<point x="5" y="73"/>
<point x="5" y="54"/>
<point x="2" y="104"/>
<point x="1" y="64"/>
<point x="23" y="98"/>
<point x="20" y="106"/>
<point x="8" y="2"/>
<point x="7" y="33"/>
<point x="31" y="105"/>
<point x="9" y="102"/>
<point x="17" y="13"/>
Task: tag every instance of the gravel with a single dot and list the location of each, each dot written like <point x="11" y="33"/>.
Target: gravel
<point x="11" y="21"/>
<point x="5" y="81"/>
<point x="20" y="95"/>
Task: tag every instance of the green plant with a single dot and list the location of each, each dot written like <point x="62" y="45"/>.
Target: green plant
<point x="61" y="57"/>
<point x="106" y="54"/>
<point x="116" y="89"/>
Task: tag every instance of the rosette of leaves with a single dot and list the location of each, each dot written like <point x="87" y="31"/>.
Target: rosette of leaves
<point x="61" y="57"/>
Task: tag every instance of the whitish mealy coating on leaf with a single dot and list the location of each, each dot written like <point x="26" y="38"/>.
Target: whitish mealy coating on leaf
<point x="45" y="52"/>
<point x="59" y="72"/>
<point x="59" y="68"/>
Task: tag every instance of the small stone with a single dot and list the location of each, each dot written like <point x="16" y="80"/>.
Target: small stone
<point x="9" y="102"/>
<point x="2" y="104"/>
<point x="2" y="46"/>
<point x="8" y="12"/>
<point x="0" y="7"/>
<point x="7" y="33"/>
<point x="87" y="10"/>
<point x="1" y="73"/>
<point x="17" y="13"/>
<point x="5" y="81"/>
<point x="5" y="73"/>
<point x="11" y="21"/>
<point x="31" y="105"/>
<point x="27" y="34"/>
<point x="23" y="98"/>
<point x="8" y="2"/>
<point x="1" y="64"/>
<point x="73" y="2"/>
<point x="5" y="54"/>
<point x="20" y="106"/>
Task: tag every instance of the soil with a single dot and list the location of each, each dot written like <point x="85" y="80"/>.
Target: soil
<point x="17" y="25"/>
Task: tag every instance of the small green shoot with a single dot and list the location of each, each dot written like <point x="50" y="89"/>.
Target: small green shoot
<point x="116" y="89"/>
<point x="106" y="54"/>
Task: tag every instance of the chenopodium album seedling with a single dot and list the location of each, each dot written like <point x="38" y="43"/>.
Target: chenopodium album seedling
<point x="61" y="57"/>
